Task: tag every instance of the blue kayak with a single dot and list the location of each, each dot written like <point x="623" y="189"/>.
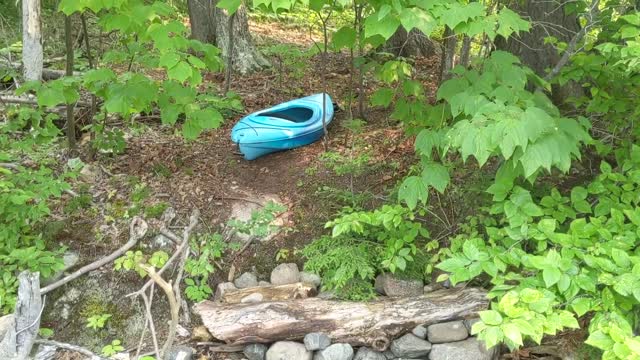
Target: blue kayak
<point x="285" y="126"/>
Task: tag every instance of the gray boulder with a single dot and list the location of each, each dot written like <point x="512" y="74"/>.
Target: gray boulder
<point x="393" y="286"/>
<point x="179" y="353"/>
<point x="310" y="278"/>
<point x="222" y="288"/>
<point x="316" y="341"/>
<point x="365" y="353"/>
<point x="255" y="351"/>
<point x="410" y="346"/>
<point x="246" y="280"/>
<point x="264" y="283"/>
<point x="285" y="274"/>
<point x="463" y="350"/>
<point x="335" y="352"/>
<point x="288" y="350"/>
<point x="389" y="354"/>
<point x="447" y="332"/>
<point x="420" y="331"/>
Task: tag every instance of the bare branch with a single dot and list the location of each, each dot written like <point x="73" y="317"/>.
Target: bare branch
<point x="173" y="306"/>
<point x="137" y="230"/>
<point x="71" y="347"/>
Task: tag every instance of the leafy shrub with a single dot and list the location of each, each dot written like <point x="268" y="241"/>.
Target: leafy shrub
<point x="363" y="244"/>
<point x="549" y="265"/>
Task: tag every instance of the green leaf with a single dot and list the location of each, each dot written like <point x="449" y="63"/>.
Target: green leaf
<point x="382" y="97"/>
<point x="50" y="97"/>
<point x="412" y="190"/>
<point x="551" y="276"/>
<point x="490" y="317"/>
<point x="345" y="37"/>
<point x="230" y="5"/>
<point x="512" y="332"/>
<point x="414" y="17"/>
<point x="436" y="175"/>
<point x="181" y="71"/>
<point x="385" y="27"/>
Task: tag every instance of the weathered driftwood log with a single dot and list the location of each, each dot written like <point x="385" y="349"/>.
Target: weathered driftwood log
<point x="271" y="293"/>
<point x="373" y="324"/>
<point x="8" y="337"/>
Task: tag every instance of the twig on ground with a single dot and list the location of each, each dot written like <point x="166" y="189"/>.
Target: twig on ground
<point x="137" y="229"/>
<point x="71" y="347"/>
<point x="152" y="326"/>
<point x="173" y="306"/>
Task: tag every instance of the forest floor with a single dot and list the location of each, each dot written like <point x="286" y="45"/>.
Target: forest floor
<point x="159" y="168"/>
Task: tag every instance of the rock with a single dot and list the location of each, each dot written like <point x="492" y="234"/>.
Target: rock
<point x="252" y="298"/>
<point x="469" y="324"/>
<point x="264" y="283"/>
<point x="410" y="346"/>
<point x="88" y="173"/>
<point x="420" y="331"/>
<point x="285" y="274"/>
<point x="335" y="352"/>
<point x="390" y="285"/>
<point x="161" y="242"/>
<point x="365" y="353"/>
<point x="181" y="331"/>
<point x="201" y="334"/>
<point x="222" y="288"/>
<point x="179" y="352"/>
<point x="447" y="332"/>
<point x="389" y="355"/>
<point x="288" y="350"/>
<point x="463" y="350"/>
<point x="255" y="351"/>
<point x="246" y="280"/>
<point x="316" y="341"/>
<point x="121" y="356"/>
<point x="311" y="278"/>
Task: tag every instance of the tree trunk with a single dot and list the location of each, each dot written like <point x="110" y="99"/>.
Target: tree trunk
<point x="465" y="52"/>
<point x="31" y="40"/>
<point x="211" y="25"/>
<point x="448" y="54"/>
<point x="547" y="19"/>
<point x="373" y="324"/>
<point x="28" y="311"/>
<point x="412" y="44"/>
<point x="71" y="121"/>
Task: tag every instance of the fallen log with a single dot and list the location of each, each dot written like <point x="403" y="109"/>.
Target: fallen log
<point x="373" y="324"/>
<point x="271" y="293"/>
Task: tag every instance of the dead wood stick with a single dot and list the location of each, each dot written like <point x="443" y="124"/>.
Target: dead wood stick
<point x="173" y="306"/>
<point x="152" y="326"/>
<point x="32" y="100"/>
<point x="137" y="229"/>
<point x="76" y="348"/>
<point x="193" y="221"/>
<point x="373" y="324"/>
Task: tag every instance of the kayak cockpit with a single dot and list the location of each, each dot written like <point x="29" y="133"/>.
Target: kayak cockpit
<point x="296" y="114"/>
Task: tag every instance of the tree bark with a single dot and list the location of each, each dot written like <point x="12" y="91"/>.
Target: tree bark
<point x="71" y="121"/>
<point x="31" y="40"/>
<point x="211" y="25"/>
<point x="448" y="54"/>
<point x="547" y="18"/>
<point x="465" y="52"/>
<point x="411" y="44"/>
<point x="373" y="324"/>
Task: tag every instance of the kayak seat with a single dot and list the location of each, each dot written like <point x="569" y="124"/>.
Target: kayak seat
<point x="294" y="114"/>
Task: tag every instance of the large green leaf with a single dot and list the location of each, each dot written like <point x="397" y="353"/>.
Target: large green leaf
<point x="412" y="190"/>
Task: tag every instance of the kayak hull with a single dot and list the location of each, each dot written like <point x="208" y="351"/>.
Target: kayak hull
<point x="285" y="126"/>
